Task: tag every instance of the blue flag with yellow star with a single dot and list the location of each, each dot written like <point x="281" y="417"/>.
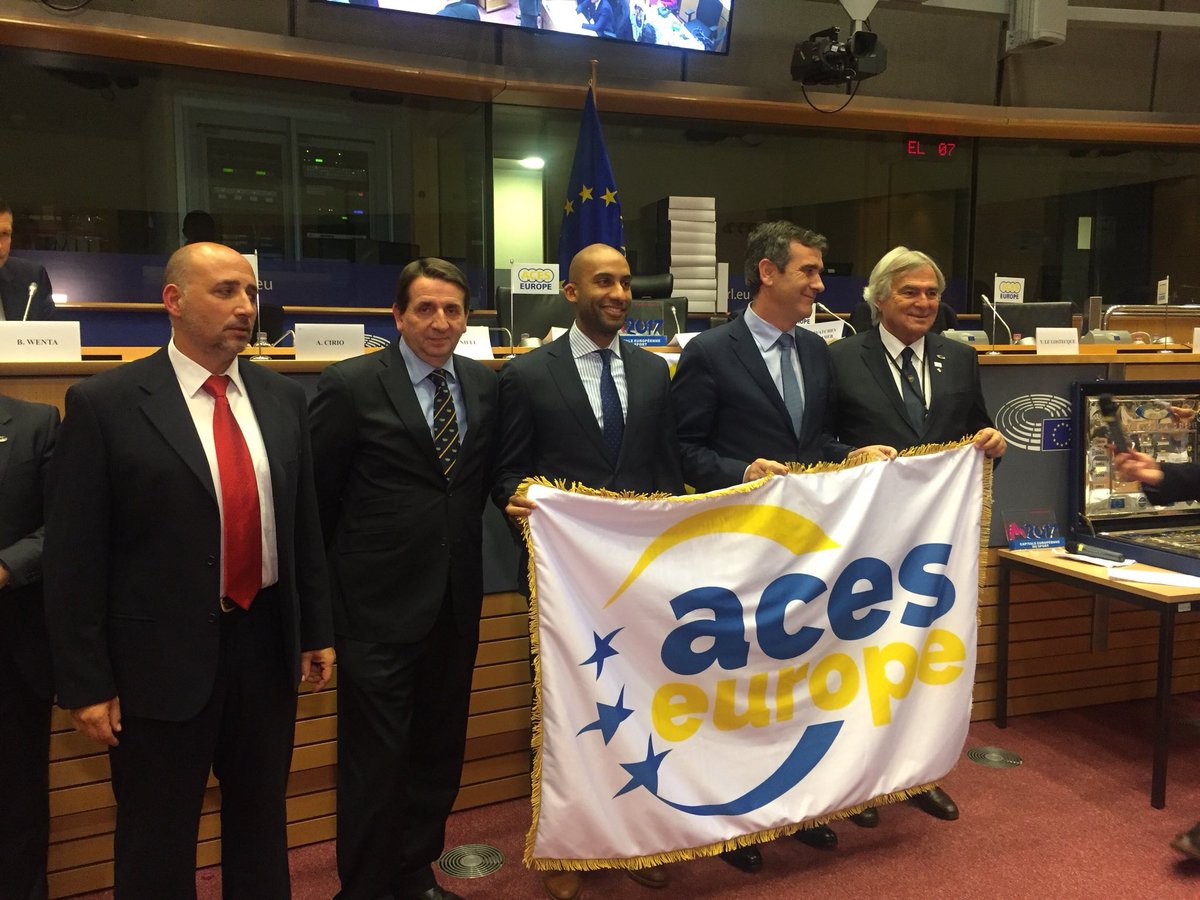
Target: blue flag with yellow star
<point x="592" y="212"/>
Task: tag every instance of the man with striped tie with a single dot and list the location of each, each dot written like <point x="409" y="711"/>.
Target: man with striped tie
<point x="403" y="446"/>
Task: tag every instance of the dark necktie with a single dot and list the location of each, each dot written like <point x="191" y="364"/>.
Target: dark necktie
<point x="792" y="398"/>
<point x="445" y="422"/>
<point x="910" y="390"/>
<point x="241" y="553"/>
<point x="610" y="408"/>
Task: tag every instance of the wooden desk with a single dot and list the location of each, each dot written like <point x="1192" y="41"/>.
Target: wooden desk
<point x="1162" y="599"/>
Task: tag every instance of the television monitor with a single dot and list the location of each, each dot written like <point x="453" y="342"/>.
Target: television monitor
<point x="1026" y="318"/>
<point x="699" y="25"/>
<point x="532" y="315"/>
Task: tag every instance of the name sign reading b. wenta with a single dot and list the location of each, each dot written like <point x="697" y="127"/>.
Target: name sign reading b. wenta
<point x="328" y="341"/>
<point x="39" y="342"/>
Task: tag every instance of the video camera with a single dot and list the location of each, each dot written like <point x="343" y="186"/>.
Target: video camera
<point x="823" y="60"/>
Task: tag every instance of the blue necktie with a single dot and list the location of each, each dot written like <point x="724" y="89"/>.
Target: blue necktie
<point x="910" y="390"/>
<point x="610" y="408"/>
<point x="445" y="422"/>
<point x="792" y="398"/>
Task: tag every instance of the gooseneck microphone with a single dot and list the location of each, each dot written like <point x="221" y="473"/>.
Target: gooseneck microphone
<point x="996" y="317"/>
<point x="675" y="316"/>
<point x="29" y="302"/>
<point x="825" y="309"/>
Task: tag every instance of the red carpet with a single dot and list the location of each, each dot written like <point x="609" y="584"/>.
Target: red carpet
<point x="1074" y="821"/>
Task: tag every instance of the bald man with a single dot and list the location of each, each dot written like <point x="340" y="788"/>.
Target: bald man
<point x="185" y="589"/>
<point x="590" y="409"/>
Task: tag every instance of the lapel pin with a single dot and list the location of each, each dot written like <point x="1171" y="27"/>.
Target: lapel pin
<point x="3" y="438"/>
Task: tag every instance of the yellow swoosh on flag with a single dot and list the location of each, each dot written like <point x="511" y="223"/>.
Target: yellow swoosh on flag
<point x="792" y="530"/>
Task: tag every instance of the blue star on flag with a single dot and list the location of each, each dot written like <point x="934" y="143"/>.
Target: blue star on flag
<point x="610" y="718"/>
<point x="644" y="773"/>
<point x="1056" y="434"/>
<point x="602" y="652"/>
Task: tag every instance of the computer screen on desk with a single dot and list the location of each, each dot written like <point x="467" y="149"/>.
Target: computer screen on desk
<point x="532" y="315"/>
<point x="1026" y="318"/>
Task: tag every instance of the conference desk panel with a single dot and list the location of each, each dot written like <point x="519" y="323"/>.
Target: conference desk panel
<point x="1066" y="648"/>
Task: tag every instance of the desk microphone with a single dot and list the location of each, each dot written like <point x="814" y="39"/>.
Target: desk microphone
<point x="675" y="316"/>
<point x="996" y="317"/>
<point x="28" y="303"/>
<point x="825" y="309"/>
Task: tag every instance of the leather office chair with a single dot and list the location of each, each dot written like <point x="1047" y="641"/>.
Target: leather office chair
<point x="652" y="287"/>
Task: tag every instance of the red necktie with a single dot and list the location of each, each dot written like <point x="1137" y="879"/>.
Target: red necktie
<point x="242" y="550"/>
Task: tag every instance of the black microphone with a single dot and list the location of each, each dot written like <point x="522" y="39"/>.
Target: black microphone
<point x="1108" y="412"/>
<point x="825" y="309"/>
<point x="29" y="302"/>
<point x="996" y="317"/>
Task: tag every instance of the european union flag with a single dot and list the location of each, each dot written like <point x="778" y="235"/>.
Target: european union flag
<point x="1056" y="434"/>
<point x="592" y="212"/>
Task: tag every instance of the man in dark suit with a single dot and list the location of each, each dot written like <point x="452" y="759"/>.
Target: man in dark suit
<point x="757" y="393"/>
<point x="590" y="409"/>
<point x="902" y="385"/>
<point x="23" y="285"/>
<point x="27" y="432"/>
<point x="404" y="443"/>
<point x="186" y="592"/>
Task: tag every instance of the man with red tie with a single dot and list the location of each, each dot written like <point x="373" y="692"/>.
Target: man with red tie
<point x="186" y="592"/>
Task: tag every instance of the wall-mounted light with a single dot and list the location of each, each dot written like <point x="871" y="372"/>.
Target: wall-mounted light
<point x="533" y="162"/>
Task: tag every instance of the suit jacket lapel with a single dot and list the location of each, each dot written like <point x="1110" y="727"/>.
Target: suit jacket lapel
<point x="935" y="362"/>
<point x="636" y="396"/>
<point x="6" y="436"/>
<point x="168" y="412"/>
<point x="399" y="388"/>
<point x="561" y="363"/>
<point x="875" y="358"/>
<point x="469" y="385"/>
<point x="745" y="348"/>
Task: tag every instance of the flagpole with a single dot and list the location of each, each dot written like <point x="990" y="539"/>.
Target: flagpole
<point x="592" y="80"/>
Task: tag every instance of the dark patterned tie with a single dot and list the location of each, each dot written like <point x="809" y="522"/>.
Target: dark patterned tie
<point x="445" y="422"/>
<point x="792" y="398"/>
<point x="910" y="390"/>
<point x="241" y="551"/>
<point x="610" y="408"/>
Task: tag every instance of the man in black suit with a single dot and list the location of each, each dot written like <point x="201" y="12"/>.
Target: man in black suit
<point x="23" y="285"/>
<point x="590" y="409"/>
<point x="186" y="592"/>
<point x="902" y="385"/>
<point x="27" y="432"/>
<point x="404" y="443"/>
<point x="757" y="393"/>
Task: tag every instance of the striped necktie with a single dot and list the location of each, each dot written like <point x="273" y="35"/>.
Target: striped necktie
<point x="445" y="422"/>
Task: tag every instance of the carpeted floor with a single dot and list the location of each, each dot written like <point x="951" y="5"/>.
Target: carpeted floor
<point x="1074" y="821"/>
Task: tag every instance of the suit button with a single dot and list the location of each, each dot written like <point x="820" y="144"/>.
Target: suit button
<point x="212" y="618"/>
<point x="210" y="561"/>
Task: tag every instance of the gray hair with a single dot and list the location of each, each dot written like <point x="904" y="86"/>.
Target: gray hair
<point x="895" y="262"/>
<point x="773" y="241"/>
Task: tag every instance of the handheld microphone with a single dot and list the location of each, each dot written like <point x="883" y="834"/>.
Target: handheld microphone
<point x="1108" y="412"/>
<point x="675" y="316"/>
<point x="825" y="309"/>
<point x="996" y="317"/>
<point x="29" y="302"/>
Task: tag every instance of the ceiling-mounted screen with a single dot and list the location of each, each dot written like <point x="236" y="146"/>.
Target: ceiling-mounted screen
<point x="701" y="25"/>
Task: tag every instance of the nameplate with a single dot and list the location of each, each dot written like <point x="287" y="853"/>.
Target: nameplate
<point x="316" y="342"/>
<point x="39" y="342"/>
<point x="827" y="331"/>
<point x="680" y="338"/>
<point x="1058" y="340"/>
<point x="476" y="343"/>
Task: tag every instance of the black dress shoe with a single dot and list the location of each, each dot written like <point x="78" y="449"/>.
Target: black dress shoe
<point x="822" y="837"/>
<point x="744" y="859"/>
<point x="937" y="803"/>
<point x="437" y="892"/>
<point x="868" y="818"/>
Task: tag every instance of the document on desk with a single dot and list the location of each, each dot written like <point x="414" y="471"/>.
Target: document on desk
<point x="1171" y="579"/>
